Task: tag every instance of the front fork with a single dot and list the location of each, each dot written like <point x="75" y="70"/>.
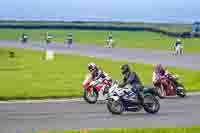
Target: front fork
<point x="91" y="91"/>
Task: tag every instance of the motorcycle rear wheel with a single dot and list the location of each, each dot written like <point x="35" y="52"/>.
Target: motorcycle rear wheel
<point x="152" y="107"/>
<point x="181" y="92"/>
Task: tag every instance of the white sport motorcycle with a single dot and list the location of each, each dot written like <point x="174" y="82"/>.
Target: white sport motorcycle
<point x="118" y="100"/>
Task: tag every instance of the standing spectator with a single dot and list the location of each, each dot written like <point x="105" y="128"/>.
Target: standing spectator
<point x="110" y="36"/>
<point x="69" y="40"/>
<point x="48" y="38"/>
<point x="178" y="47"/>
<point x="24" y="38"/>
<point x="110" y="41"/>
<point x="49" y="53"/>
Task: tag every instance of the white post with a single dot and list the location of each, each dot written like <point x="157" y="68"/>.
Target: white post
<point x="49" y="54"/>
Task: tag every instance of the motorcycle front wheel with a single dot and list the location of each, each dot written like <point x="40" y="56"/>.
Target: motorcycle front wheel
<point x="89" y="97"/>
<point x="115" y="107"/>
<point x="161" y="92"/>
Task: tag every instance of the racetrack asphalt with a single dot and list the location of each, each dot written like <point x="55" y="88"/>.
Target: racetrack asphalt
<point x="26" y="117"/>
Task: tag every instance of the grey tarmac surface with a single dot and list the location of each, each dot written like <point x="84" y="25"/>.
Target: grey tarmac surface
<point x="138" y="55"/>
<point x="26" y="117"/>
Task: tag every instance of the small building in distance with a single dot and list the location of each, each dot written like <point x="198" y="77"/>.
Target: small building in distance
<point x="196" y="27"/>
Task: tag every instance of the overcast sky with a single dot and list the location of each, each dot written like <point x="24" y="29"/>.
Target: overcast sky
<point x="126" y="10"/>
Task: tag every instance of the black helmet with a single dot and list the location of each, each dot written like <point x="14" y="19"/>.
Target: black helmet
<point x="125" y="68"/>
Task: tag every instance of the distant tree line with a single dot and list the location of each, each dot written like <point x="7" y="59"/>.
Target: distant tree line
<point x="92" y="27"/>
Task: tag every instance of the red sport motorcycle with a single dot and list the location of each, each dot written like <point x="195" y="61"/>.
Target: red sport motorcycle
<point x="92" y="89"/>
<point x="174" y="87"/>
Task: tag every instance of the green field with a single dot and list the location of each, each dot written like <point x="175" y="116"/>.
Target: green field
<point x="28" y="76"/>
<point x="134" y="130"/>
<point x="125" y="39"/>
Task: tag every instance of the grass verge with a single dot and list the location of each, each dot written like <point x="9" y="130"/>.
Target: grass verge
<point x="28" y="76"/>
<point x="134" y="130"/>
<point x="124" y="39"/>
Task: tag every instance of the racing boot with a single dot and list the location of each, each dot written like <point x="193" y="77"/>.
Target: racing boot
<point x="106" y="89"/>
<point x="141" y="98"/>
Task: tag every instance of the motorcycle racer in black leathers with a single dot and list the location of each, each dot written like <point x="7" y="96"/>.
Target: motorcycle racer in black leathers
<point x="131" y="78"/>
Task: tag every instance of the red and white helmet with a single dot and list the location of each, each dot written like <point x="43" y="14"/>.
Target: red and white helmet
<point x="92" y="67"/>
